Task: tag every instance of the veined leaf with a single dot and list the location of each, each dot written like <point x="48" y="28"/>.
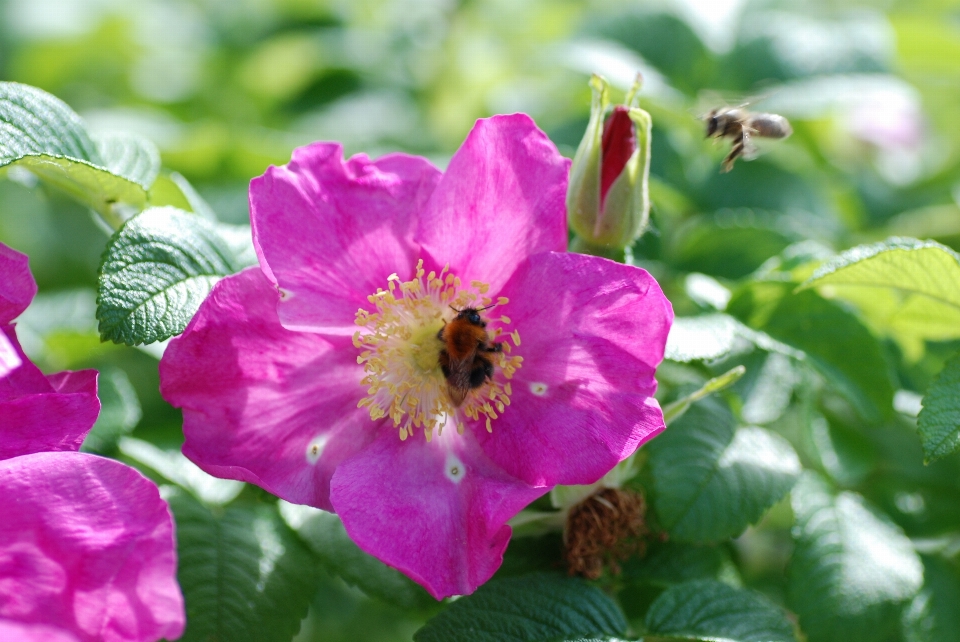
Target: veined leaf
<point x="711" y="336"/>
<point x="530" y="608"/>
<point x="712" y="481"/>
<point x="40" y="133"/>
<point x="132" y="157"/>
<point x="245" y="576"/>
<point x="155" y="273"/>
<point x="852" y="570"/>
<point x="709" y="610"/>
<point x="325" y="535"/>
<point x="33" y="122"/>
<point x="939" y="420"/>
<point x="909" y="289"/>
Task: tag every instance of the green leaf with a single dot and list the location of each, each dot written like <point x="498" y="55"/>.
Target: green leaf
<point x="132" y="157"/>
<point x="172" y="465"/>
<point x="939" y="421"/>
<point x="245" y="576"/>
<point x="709" y="610"/>
<point x="711" y="481"/>
<point x="120" y="411"/>
<point x="530" y="608"/>
<point x="673" y="410"/>
<point x="670" y="563"/>
<point x="325" y="535"/>
<point x="852" y="569"/>
<point x="908" y="289"/>
<point x="155" y="273"/>
<point x="932" y="615"/>
<point x="40" y="133"/>
<point x="33" y="122"/>
<point x="834" y="340"/>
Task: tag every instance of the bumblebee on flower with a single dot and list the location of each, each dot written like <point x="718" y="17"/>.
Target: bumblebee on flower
<point x="418" y="352"/>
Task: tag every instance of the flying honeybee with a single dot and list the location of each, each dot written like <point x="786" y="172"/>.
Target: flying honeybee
<point x="464" y="360"/>
<point x="738" y="124"/>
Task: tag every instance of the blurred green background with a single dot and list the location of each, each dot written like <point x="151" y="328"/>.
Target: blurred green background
<point x="227" y="87"/>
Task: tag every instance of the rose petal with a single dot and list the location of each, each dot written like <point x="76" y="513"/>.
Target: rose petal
<point x="261" y="403"/>
<point x="86" y="545"/>
<point x="15" y="631"/>
<point x="437" y="511"/>
<point x="9" y="356"/>
<point x="592" y="333"/>
<point x="501" y="199"/>
<point x="17" y="287"/>
<point x="330" y="232"/>
<point x="44" y="413"/>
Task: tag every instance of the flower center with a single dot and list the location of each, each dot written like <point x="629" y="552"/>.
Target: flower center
<point x="400" y="350"/>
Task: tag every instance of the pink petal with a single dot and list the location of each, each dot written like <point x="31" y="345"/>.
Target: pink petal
<point x="44" y="413"/>
<point x="501" y="199"/>
<point x="261" y="403"/>
<point x="17" y="287"/>
<point x="402" y="502"/>
<point x="86" y="546"/>
<point x="592" y="333"/>
<point x="15" y="631"/>
<point x="329" y="232"/>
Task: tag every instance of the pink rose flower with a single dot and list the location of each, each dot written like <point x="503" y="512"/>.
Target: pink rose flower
<point x="86" y="543"/>
<point x="318" y="376"/>
<point x="37" y="412"/>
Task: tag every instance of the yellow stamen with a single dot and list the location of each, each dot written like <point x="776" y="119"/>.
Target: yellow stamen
<point x="400" y="352"/>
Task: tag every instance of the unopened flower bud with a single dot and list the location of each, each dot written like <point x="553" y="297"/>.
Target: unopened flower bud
<point x="607" y="200"/>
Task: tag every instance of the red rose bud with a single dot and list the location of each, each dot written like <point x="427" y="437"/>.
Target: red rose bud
<point x="619" y="143"/>
<point x="607" y="201"/>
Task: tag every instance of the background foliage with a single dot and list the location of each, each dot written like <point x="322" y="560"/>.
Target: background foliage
<point x="801" y="487"/>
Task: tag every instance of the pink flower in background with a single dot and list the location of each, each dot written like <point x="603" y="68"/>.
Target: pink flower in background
<point x="86" y="549"/>
<point x="86" y="543"/>
<point x="318" y="376"/>
<point x="37" y="412"/>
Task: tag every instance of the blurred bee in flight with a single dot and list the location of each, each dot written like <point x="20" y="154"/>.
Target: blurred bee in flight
<point x="739" y="125"/>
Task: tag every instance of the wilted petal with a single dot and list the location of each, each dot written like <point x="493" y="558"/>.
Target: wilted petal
<point x="86" y="546"/>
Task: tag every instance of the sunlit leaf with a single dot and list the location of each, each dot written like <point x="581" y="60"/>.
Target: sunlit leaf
<point x="904" y="286"/>
<point x="710" y="480"/>
<point x="852" y="570"/>
<point x="530" y="608"/>
<point x="40" y="133"/>
<point x="155" y="273"/>
<point x="939" y="420"/>
<point x="709" y="610"/>
<point x="132" y="157"/>
<point x="245" y="576"/>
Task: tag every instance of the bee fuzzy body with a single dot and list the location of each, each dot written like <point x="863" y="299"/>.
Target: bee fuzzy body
<point x="465" y="359"/>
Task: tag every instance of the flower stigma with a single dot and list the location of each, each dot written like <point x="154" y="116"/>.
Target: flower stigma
<point x="400" y="351"/>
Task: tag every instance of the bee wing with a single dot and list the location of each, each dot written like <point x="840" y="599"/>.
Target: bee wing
<point x="750" y="150"/>
<point x="458" y="381"/>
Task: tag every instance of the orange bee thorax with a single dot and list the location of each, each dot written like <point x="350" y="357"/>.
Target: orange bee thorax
<point x="465" y="359"/>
